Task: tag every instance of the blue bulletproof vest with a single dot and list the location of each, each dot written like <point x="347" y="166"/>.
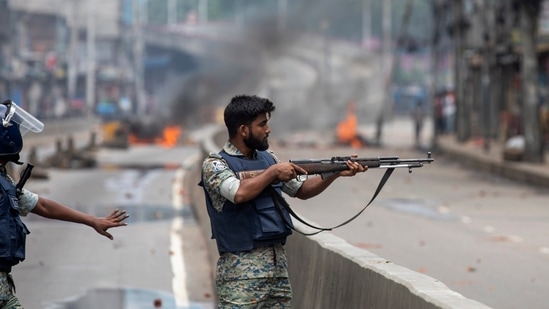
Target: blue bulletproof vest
<point x="253" y="224"/>
<point x="13" y="231"/>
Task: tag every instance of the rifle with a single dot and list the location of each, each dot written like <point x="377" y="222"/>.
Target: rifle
<point x="327" y="167"/>
<point x="25" y="175"/>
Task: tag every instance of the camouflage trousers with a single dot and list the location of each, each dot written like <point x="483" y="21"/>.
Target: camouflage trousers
<point x="253" y="279"/>
<point x="12" y="303"/>
<point x="264" y="293"/>
<point x="8" y="300"/>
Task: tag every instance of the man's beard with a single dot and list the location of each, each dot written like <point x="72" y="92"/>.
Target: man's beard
<point x="255" y="143"/>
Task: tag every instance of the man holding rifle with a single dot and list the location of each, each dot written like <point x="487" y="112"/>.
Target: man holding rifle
<point x="250" y="231"/>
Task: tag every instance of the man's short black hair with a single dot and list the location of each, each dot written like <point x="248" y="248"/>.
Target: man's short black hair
<point x="243" y="109"/>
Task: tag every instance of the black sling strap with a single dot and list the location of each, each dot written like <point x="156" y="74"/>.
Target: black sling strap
<point x="281" y="202"/>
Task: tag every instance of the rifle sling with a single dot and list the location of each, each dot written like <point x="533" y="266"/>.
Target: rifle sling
<point x="281" y="202"/>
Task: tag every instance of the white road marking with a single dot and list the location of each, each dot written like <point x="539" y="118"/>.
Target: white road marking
<point x="179" y="280"/>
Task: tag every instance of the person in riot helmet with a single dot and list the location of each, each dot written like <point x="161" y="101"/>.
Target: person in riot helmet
<point x="15" y="201"/>
<point x="250" y="233"/>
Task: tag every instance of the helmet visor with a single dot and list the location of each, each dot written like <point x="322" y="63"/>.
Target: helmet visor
<point x="16" y="114"/>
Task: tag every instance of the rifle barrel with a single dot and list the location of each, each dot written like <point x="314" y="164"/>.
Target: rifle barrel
<point x="335" y="164"/>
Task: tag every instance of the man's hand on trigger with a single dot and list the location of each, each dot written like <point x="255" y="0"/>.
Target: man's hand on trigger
<point x="287" y="171"/>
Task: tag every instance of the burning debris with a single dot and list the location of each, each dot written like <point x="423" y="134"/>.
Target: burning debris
<point x="70" y="157"/>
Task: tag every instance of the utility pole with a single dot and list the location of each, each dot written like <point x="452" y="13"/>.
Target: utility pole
<point x="462" y="106"/>
<point x="138" y="56"/>
<point x="282" y="11"/>
<point x="90" y="73"/>
<point x="71" y="55"/>
<point x="487" y="56"/>
<point x="202" y="11"/>
<point x="529" y="16"/>
<point x="438" y="20"/>
<point x="385" y="69"/>
<point x="366" y="39"/>
<point x="366" y="22"/>
<point x="391" y="61"/>
<point x="326" y="63"/>
<point x="144" y="11"/>
<point x="239" y="14"/>
<point x="171" y="13"/>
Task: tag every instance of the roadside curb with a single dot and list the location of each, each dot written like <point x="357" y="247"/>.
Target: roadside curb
<point x="492" y="161"/>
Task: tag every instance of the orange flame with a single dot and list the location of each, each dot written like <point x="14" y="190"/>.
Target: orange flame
<point x="347" y="131"/>
<point x="170" y="137"/>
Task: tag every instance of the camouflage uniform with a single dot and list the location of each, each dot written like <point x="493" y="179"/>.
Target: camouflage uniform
<point x="253" y="278"/>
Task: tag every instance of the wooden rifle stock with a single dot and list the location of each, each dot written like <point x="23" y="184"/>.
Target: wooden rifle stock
<point x="326" y="167"/>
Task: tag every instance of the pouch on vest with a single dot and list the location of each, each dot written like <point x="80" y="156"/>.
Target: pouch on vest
<point x="13" y="231"/>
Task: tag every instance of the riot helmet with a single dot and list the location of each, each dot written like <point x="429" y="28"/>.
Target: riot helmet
<point x="16" y="122"/>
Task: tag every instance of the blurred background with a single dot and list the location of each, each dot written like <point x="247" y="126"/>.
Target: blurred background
<point x="476" y="68"/>
<point x="360" y="73"/>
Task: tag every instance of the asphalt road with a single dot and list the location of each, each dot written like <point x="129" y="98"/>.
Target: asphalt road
<point x="483" y="236"/>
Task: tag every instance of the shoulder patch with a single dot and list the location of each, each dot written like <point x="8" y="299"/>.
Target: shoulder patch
<point x="219" y="166"/>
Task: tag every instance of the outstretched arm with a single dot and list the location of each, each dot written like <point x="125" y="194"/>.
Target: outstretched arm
<point x="53" y="210"/>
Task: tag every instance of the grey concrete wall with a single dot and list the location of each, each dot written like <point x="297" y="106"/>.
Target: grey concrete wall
<point x="328" y="272"/>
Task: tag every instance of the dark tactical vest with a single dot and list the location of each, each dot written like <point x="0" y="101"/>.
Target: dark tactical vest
<point x="253" y="224"/>
<point x="12" y="230"/>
